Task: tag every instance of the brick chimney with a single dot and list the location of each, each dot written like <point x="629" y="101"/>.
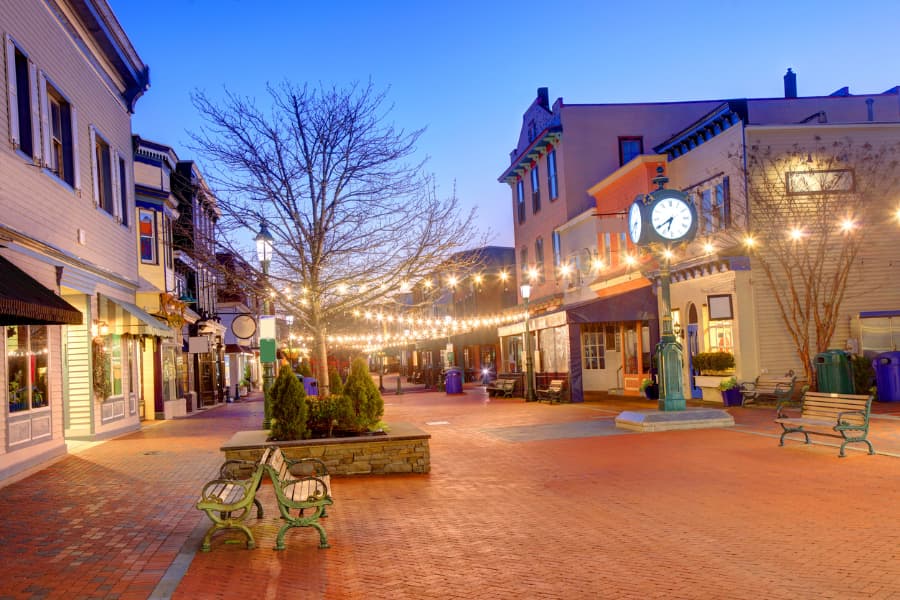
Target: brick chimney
<point x="790" y="84"/>
<point x="543" y="97"/>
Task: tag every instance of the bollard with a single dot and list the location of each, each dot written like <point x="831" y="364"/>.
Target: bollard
<point x="399" y="389"/>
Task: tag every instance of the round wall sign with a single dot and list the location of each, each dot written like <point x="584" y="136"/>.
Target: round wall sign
<point x="243" y="326"/>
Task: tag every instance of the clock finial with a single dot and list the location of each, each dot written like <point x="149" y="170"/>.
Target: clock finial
<point x="660" y="178"/>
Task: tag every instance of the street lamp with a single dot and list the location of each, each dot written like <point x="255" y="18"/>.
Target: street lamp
<point x="529" y="359"/>
<point x="264" y="241"/>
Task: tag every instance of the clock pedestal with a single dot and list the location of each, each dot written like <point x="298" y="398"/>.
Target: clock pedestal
<point x="669" y="354"/>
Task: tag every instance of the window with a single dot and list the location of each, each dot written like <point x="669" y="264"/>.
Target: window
<point x="103" y="174"/>
<point x="551" y="176"/>
<point x="623" y="245"/>
<point x="607" y="249"/>
<point x="712" y="199"/>
<point x="719" y="336"/>
<point x="535" y="191"/>
<point x="592" y="347"/>
<point x="539" y="258"/>
<point x="147" y="232"/>
<point x="60" y="151"/>
<point x="520" y="200"/>
<point x="21" y="89"/>
<point x="26" y="362"/>
<point x="167" y="241"/>
<point x="629" y="147"/>
<point x="557" y="249"/>
<point x="123" y="192"/>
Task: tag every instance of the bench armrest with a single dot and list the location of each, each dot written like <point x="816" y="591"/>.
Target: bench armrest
<point x="844" y="426"/>
<point x="320" y="486"/>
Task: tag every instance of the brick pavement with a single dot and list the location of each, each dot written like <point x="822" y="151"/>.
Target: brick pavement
<point x="512" y="509"/>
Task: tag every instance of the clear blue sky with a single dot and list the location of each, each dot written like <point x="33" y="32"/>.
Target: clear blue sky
<point x="467" y="70"/>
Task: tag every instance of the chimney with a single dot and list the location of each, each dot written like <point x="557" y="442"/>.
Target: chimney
<point x="543" y="97"/>
<point x="790" y="84"/>
<point x="870" y="109"/>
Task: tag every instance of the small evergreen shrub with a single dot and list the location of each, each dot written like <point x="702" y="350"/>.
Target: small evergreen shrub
<point x="335" y="383"/>
<point x="289" y="410"/>
<point x="326" y="414"/>
<point x="367" y="403"/>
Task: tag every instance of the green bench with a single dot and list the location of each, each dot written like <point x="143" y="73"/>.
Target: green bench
<point x="229" y="499"/>
<point x="302" y="497"/>
<point x="778" y="389"/>
<point x="844" y="416"/>
<point x="504" y="387"/>
<point x="553" y="392"/>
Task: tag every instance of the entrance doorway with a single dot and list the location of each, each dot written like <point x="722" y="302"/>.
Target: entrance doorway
<point x="693" y="344"/>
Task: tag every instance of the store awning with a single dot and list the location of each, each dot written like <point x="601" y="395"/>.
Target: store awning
<point x="124" y="317"/>
<point x="24" y="301"/>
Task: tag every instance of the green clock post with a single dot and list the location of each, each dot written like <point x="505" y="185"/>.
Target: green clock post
<point x="657" y="221"/>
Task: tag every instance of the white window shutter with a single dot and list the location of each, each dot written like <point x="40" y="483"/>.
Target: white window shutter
<point x="35" y="113"/>
<point x="116" y="189"/>
<point x="76" y="151"/>
<point x="12" y="90"/>
<point x="93" y="142"/>
<point x="45" y="118"/>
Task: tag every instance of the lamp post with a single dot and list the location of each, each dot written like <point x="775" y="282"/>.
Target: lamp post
<point x="529" y="359"/>
<point x="264" y="241"/>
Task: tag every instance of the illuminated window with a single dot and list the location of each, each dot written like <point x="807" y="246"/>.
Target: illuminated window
<point x="520" y="200"/>
<point x="26" y="367"/>
<point x="535" y="191"/>
<point x="147" y="228"/>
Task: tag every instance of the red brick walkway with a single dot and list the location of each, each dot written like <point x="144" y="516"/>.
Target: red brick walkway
<point x="511" y="509"/>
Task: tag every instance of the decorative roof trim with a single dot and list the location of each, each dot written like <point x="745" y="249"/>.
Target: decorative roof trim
<point x="548" y="137"/>
<point x="704" y="129"/>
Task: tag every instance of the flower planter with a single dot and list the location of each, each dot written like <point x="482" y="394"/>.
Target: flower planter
<point x="732" y="397"/>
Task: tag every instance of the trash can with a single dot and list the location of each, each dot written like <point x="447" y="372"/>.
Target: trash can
<point x="311" y="386"/>
<point x="833" y="372"/>
<point x="887" y="376"/>
<point x="453" y="381"/>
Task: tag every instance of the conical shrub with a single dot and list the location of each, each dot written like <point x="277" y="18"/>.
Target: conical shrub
<point x="288" y="402"/>
<point x="368" y="405"/>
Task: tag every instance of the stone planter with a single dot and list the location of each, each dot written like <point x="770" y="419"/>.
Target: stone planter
<point x="403" y="450"/>
<point x="709" y="384"/>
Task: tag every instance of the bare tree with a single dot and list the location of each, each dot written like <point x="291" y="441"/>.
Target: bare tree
<point x="812" y="210"/>
<point x="354" y="219"/>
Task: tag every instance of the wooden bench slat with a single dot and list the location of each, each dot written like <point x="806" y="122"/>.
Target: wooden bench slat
<point x="303" y="494"/>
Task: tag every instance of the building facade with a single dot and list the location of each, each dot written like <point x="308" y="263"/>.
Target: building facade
<point x="72" y="80"/>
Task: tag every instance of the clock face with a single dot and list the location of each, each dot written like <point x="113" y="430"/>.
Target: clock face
<point x="635" y="222"/>
<point x="671" y="218"/>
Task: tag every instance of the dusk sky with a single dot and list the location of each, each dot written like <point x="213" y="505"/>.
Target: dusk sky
<point x="467" y="70"/>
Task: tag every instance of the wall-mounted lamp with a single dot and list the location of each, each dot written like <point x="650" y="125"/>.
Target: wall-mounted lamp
<point x="99" y="328"/>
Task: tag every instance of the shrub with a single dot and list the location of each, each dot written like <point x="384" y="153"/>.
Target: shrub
<point x="304" y="369"/>
<point x="863" y="374"/>
<point x="327" y="413"/>
<point x="335" y="383"/>
<point x="367" y="403"/>
<point x="288" y="402"/>
<point x="711" y="362"/>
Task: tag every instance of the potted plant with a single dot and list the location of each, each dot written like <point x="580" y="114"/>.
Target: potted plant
<point x="650" y="389"/>
<point x="731" y="392"/>
<point x="713" y="368"/>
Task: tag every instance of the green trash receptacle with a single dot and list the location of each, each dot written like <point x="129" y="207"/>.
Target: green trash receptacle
<point x="833" y="372"/>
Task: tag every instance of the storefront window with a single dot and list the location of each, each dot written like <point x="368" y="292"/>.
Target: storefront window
<point x="27" y="355"/>
<point x="631" y="349"/>
<point x="594" y="352"/>
<point x="515" y="355"/>
<point x="719" y="336"/>
<point x="115" y="364"/>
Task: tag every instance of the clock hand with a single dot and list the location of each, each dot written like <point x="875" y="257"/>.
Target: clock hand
<point x="669" y="223"/>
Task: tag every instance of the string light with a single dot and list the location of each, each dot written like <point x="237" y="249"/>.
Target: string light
<point x="796" y="234"/>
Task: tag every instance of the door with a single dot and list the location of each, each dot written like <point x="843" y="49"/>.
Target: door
<point x="693" y="348"/>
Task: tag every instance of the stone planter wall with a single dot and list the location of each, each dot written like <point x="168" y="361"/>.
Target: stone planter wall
<point x="403" y="450"/>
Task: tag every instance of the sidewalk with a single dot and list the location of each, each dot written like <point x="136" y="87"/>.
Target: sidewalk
<point x="524" y="500"/>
